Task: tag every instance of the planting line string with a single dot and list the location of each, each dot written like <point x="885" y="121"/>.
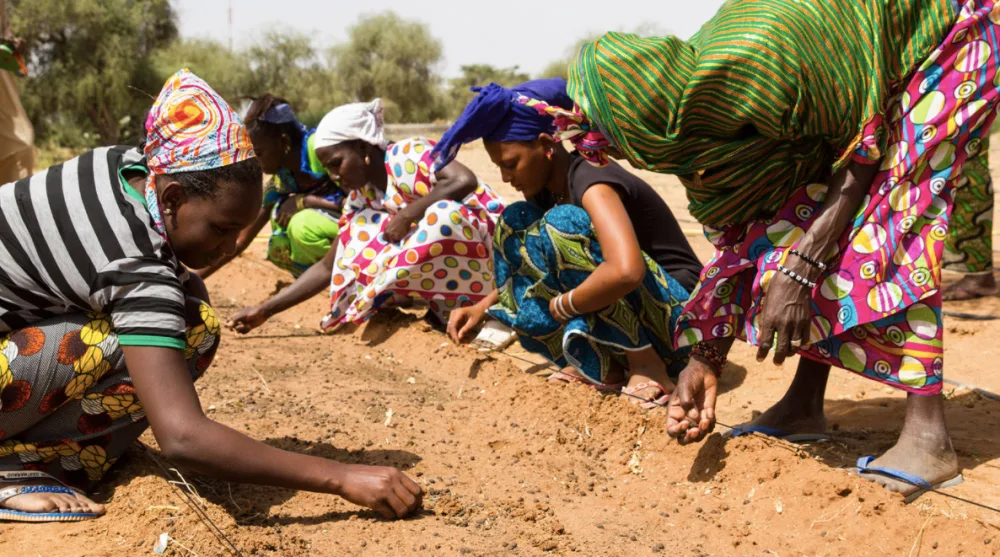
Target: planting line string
<point x="219" y="533"/>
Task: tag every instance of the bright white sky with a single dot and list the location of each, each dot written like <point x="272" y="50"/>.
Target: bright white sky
<point x="529" y="34"/>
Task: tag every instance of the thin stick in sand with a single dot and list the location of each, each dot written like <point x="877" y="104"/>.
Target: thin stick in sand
<point x="268" y="389"/>
<point x="920" y="536"/>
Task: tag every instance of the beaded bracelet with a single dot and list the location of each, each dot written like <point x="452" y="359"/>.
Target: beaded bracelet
<point x="796" y="277"/>
<point x="300" y="202"/>
<point x="712" y="355"/>
<point x="815" y="263"/>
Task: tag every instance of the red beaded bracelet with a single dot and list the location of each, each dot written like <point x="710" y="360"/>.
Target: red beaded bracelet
<point x="712" y="355"/>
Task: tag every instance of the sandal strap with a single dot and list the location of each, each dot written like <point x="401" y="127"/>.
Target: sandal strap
<point x="747" y="429"/>
<point x="864" y="465"/>
<point x="26" y="489"/>
<point x="643" y="385"/>
<point x="568" y="377"/>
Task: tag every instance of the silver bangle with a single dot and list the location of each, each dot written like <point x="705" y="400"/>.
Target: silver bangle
<point x="560" y="311"/>
<point x="572" y="306"/>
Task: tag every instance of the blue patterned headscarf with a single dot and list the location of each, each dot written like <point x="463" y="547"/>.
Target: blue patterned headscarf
<point x="495" y="115"/>
<point x="282" y="115"/>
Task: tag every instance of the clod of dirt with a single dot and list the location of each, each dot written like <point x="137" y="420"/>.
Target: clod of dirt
<point x="657" y="548"/>
<point x="448" y="506"/>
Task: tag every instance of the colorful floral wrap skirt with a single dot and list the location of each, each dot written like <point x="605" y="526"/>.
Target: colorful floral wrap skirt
<point x="68" y="406"/>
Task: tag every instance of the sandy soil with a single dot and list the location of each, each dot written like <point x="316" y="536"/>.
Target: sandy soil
<point x="514" y="465"/>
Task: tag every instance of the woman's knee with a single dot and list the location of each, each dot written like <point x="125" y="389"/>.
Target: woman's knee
<point x="298" y="227"/>
<point x="569" y="219"/>
<point x="311" y="229"/>
<point x="519" y="215"/>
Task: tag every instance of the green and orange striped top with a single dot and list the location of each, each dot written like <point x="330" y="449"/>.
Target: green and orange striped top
<point x="768" y="96"/>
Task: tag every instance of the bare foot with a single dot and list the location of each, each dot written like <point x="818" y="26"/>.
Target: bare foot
<point x="927" y="457"/>
<point x="923" y="448"/>
<point x="971" y="287"/>
<point x="800" y="410"/>
<point x="646" y="366"/>
<point x="568" y="374"/>
<point x="49" y="502"/>
<point x="793" y="418"/>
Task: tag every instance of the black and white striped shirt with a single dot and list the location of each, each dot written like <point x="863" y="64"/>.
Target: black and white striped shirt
<point x="75" y="237"/>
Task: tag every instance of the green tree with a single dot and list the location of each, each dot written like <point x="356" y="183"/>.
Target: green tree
<point x="560" y="67"/>
<point x="283" y="64"/>
<point x="477" y="75"/>
<point x="228" y="72"/>
<point x="387" y="56"/>
<point x="90" y="64"/>
<point x="287" y="65"/>
<point x="557" y="68"/>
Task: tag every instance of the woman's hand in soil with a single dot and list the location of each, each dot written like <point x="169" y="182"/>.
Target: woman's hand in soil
<point x="399" y="226"/>
<point x="247" y="320"/>
<point x="383" y="489"/>
<point x="691" y="410"/>
<point x="786" y="316"/>
<point x="462" y="322"/>
<point x="286" y="211"/>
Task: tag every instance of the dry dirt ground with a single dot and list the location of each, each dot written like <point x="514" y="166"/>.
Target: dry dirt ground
<point x="513" y="465"/>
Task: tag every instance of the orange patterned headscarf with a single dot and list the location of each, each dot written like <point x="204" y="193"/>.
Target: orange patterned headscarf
<point x="190" y="127"/>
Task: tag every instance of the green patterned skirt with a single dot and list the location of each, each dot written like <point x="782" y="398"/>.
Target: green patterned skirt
<point x="968" y="248"/>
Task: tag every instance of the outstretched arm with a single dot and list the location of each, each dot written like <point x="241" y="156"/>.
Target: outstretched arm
<point x="188" y="437"/>
<point x="315" y="280"/>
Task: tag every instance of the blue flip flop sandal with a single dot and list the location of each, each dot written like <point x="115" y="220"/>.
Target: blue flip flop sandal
<point x="747" y="429"/>
<point x="21" y="516"/>
<point x="864" y="465"/>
